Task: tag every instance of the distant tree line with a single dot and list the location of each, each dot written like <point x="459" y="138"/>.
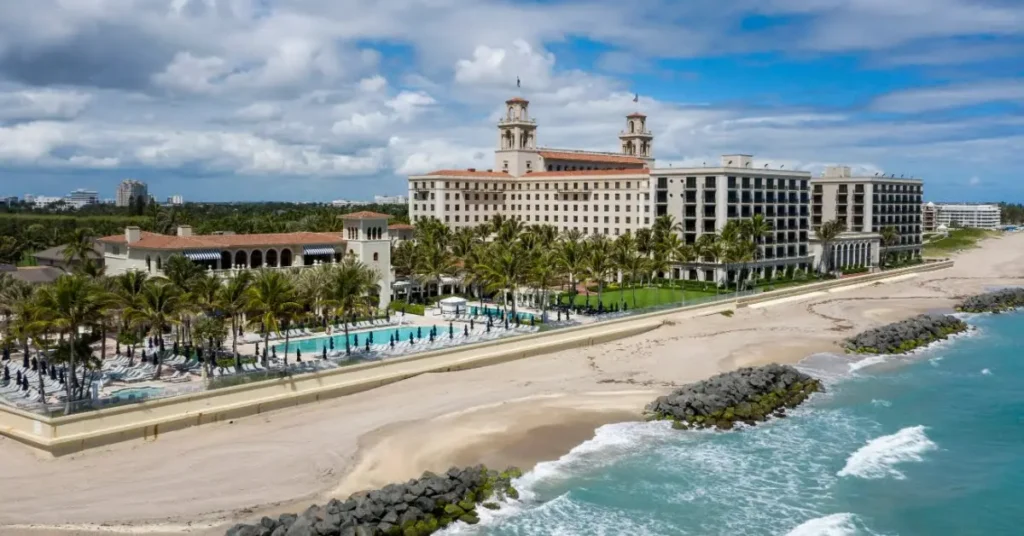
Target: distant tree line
<point x="25" y="229"/>
<point x="1013" y="213"/>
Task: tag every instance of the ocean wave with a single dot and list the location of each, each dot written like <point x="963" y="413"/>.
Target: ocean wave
<point x="880" y="403"/>
<point x="986" y="372"/>
<point x="844" y="524"/>
<point x="868" y="361"/>
<point x="879" y="457"/>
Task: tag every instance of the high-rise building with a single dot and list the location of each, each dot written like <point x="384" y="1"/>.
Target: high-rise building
<point x="175" y="200"/>
<point x="964" y="215"/>
<point x="129" y="190"/>
<point x="864" y="206"/>
<point x="80" y="198"/>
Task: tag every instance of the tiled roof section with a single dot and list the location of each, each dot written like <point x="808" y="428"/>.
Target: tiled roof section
<point x="636" y="114"/>
<point x="401" y="227"/>
<point x="172" y="242"/>
<point x="516" y="99"/>
<point x="590" y="157"/>
<point x="364" y="214"/>
<point x="587" y="173"/>
<point x="464" y="173"/>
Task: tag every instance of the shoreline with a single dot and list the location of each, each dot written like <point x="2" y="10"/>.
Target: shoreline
<point x="518" y="413"/>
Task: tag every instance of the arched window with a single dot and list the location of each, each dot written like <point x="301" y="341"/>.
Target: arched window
<point x="632" y="126"/>
<point x="241" y="259"/>
<point x="286" y="257"/>
<point x="375" y="256"/>
<point x="159" y="262"/>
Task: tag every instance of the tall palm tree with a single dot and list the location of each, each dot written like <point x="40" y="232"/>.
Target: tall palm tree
<point x="624" y="249"/>
<point x="272" y="302"/>
<point x="599" y="262"/>
<point x="311" y="284"/>
<point x="232" y="300"/>
<point x="158" y="308"/>
<point x="543" y="271"/>
<point x="708" y="248"/>
<point x="645" y="241"/>
<point x="350" y="288"/>
<point x="435" y="262"/>
<point x="571" y="258"/>
<point x="504" y="269"/>
<point x="682" y="254"/>
<point x="79" y="246"/>
<point x="890" y="237"/>
<point x="72" y="302"/>
<point x="826" y="234"/>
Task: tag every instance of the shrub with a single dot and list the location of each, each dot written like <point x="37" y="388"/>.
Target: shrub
<point x="411" y="308"/>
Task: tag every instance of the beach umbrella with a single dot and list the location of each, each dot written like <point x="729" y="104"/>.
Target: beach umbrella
<point x="150" y="341"/>
<point x="175" y="347"/>
<point x="488" y="327"/>
<point x="35" y="364"/>
<point x="298" y="353"/>
<point x="471" y="326"/>
<point x="411" y="341"/>
<point x="257" y="352"/>
<point x="273" y="352"/>
<point x="506" y="323"/>
<point x="53" y="372"/>
<point x="431" y="335"/>
<point x="348" y="349"/>
<point x="355" y="339"/>
<point x="451" y="330"/>
<point x="143" y="355"/>
<point x="331" y="342"/>
<point x="387" y="315"/>
<point x="517" y="321"/>
<point x="392" y="344"/>
<point x="24" y="383"/>
<point x="367" y="345"/>
<point x="60" y="375"/>
<point x="397" y="335"/>
<point x="7" y="373"/>
<point x="17" y="376"/>
<point x="325" y="352"/>
<point x="24" y="361"/>
<point x="162" y="344"/>
<point x="466" y="332"/>
<point x="369" y="337"/>
<point x="419" y="333"/>
<point x="7" y="353"/>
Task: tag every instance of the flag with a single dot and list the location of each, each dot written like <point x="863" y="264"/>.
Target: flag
<point x="518" y="83"/>
<point x="636" y="97"/>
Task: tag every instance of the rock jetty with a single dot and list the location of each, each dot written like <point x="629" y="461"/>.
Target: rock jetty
<point x="905" y="335"/>
<point x="748" y="395"/>
<point x="417" y="508"/>
<point x="993" y="302"/>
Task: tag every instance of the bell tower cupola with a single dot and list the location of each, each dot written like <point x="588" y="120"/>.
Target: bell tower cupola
<point x="636" y="140"/>
<point x="517" y="139"/>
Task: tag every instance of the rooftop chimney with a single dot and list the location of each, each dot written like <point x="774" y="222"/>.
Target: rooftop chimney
<point x="184" y="230"/>
<point x="132" y="234"/>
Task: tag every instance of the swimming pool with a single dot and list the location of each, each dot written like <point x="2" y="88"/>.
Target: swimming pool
<point x="136" y="393"/>
<point x="316" y="345"/>
<point x="494" y="311"/>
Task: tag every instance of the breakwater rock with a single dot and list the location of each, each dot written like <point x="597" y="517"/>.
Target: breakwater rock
<point x="993" y="302"/>
<point x="905" y="335"/>
<point x="748" y="395"/>
<point x="416" y="508"/>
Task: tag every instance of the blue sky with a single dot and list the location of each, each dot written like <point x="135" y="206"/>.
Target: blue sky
<point x="312" y="101"/>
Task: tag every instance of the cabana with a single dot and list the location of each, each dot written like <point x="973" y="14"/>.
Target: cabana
<point x="453" y="305"/>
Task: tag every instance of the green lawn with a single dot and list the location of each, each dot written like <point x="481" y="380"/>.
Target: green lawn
<point x="645" y="297"/>
<point x="958" y="239"/>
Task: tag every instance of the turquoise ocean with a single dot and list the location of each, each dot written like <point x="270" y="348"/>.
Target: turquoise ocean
<point x="926" y="444"/>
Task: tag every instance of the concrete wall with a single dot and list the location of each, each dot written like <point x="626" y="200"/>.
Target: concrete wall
<point x="147" y="420"/>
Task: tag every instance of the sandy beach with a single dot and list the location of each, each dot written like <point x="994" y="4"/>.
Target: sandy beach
<point x="201" y="479"/>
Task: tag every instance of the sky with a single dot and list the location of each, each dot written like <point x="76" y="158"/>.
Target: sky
<point x="312" y="100"/>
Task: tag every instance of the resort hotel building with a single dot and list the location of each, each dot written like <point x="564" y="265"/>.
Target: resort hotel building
<point x="612" y="193"/>
<point x="965" y="215"/>
<point x="365" y="236"/>
<point x="863" y="206"/>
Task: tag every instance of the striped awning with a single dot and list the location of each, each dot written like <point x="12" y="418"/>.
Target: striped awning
<point x="318" y="250"/>
<point x="202" y="254"/>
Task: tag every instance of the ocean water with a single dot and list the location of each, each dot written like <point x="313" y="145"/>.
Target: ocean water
<point x="927" y="444"/>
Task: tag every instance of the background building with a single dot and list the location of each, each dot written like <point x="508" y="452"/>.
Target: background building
<point x="129" y="190"/>
<point x="390" y="199"/>
<point x="929" y="213"/>
<point x="80" y="198"/>
<point x="864" y="206"/>
<point x="176" y="200"/>
<point x="962" y="215"/>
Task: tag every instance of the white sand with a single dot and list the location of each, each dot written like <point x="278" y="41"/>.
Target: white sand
<point x="515" y="413"/>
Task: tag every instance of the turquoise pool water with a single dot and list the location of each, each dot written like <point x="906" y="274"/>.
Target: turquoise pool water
<point x="135" y="392"/>
<point x="494" y="311"/>
<point x="358" y="340"/>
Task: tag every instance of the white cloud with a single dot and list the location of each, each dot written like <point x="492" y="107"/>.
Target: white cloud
<point x="954" y="96"/>
<point x="974" y="181"/>
<point x="42" y="104"/>
<point x="501" y="66"/>
<point x="259" y="111"/>
<point x="192" y="74"/>
<point x="373" y="84"/>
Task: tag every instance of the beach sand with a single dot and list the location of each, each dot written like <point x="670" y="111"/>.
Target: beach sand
<point x="201" y="480"/>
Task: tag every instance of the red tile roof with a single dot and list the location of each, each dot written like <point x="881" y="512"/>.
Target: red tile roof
<point x="464" y="173"/>
<point x="363" y="215"/>
<point x="161" y="241"/>
<point x="587" y="173"/>
<point x="516" y="99"/>
<point x="401" y="227"/>
<point x="590" y="157"/>
<point x="636" y="114"/>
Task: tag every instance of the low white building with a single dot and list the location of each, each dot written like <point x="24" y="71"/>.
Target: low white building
<point x="963" y="215"/>
<point x="365" y="236"/>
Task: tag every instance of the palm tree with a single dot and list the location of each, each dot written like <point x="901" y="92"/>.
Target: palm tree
<point x="757" y="227"/>
<point x="71" y="302"/>
<point x="682" y="254"/>
<point x="571" y="258"/>
<point x="543" y="272"/>
<point x="731" y="238"/>
<point x="599" y="262"/>
<point x="826" y="234"/>
<point x="312" y="285"/>
<point x="708" y="248"/>
<point x="504" y="269"/>
<point x="636" y="265"/>
<point x="645" y="241"/>
<point x="158" y="308"/>
<point x="127" y="292"/>
<point x="349" y="290"/>
<point x="232" y="299"/>
<point x="623" y="251"/>
<point x="272" y="303"/>
<point x="79" y="246"/>
<point x="435" y="262"/>
<point x="890" y="237"/>
<point x="180" y="270"/>
<point x="210" y="330"/>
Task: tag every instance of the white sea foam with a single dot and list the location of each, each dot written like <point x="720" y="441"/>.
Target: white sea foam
<point x="986" y="372"/>
<point x="843" y="524"/>
<point x="935" y="361"/>
<point x="880" y="403"/>
<point x="867" y="362"/>
<point x="879" y="457"/>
